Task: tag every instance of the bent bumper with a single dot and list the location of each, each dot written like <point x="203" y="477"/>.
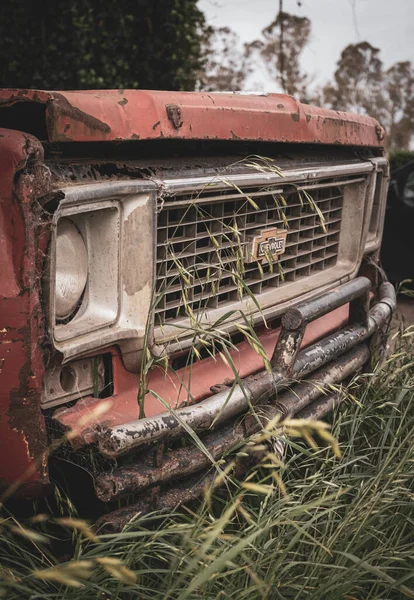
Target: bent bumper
<point x="217" y="418"/>
<point x="288" y="364"/>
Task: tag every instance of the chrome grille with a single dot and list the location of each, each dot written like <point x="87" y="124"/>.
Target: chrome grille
<point x="200" y="243"/>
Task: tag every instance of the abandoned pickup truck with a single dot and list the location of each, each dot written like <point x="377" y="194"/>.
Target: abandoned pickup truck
<point x="170" y="261"/>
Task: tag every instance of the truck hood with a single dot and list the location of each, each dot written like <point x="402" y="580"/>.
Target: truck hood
<point x="127" y="115"/>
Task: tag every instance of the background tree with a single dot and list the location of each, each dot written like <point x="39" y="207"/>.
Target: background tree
<point x="361" y="85"/>
<point x="226" y="65"/>
<point x="357" y="80"/>
<point x="78" y="44"/>
<point x="399" y="87"/>
<point x="280" y="49"/>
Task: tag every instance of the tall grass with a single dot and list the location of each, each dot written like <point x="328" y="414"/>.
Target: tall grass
<point x="316" y="526"/>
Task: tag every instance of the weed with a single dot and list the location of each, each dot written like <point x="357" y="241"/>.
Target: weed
<point x="321" y="524"/>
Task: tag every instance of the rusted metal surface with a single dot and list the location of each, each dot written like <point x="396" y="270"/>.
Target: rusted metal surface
<point x="172" y="465"/>
<point x="181" y="462"/>
<point x="128" y="480"/>
<point x="321" y="407"/>
<point x="306" y="400"/>
<point x="225" y="405"/>
<point x="120" y="115"/>
<point x="295" y="320"/>
<point x="173" y="388"/>
<point x="22" y="430"/>
<point x="286" y="350"/>
<point x="295" y="399"/>
<point x="299" y="316"/>
<point x="172" y="498"/>
<point x="175" y="115"/>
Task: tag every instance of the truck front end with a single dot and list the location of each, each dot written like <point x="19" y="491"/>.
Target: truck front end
<point x="173" y="266"/>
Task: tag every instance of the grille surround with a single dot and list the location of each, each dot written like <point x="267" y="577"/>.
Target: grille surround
<point x="208" y="241"/>
<point x="341" y="194"/>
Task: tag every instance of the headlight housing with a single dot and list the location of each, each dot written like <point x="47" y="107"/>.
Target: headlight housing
<point x="102" y="268"/>
<point x="71" y="272"/>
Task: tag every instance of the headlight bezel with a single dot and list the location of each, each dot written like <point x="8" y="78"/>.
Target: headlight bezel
<point x="94" y="312"/>
<point x="115" y="219"/>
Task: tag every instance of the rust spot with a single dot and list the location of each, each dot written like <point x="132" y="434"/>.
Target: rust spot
<point x="67" y="127"/>
<point x="174" y="115"/>
<point x="157" y="466"/>
<point x="295" y="116"/>
<point x="155" y="499"/>
<point x="32" y="149"/>
<point x="12" y="99"/>
<point x="60" y="106"/>
<point x="308" y="118"/>
<point x="157" y="124"/>
<point x="234" y="136"/>
<point x="281" y="106"/>
<point x="123" y="102"/>
<point x="23" y="413"/>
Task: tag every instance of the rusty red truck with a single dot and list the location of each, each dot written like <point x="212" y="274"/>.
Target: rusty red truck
<point x="169" y="261"/>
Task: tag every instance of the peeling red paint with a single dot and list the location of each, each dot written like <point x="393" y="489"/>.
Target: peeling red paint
<point x="22" y="429"/>
<point x="95" y="116"/>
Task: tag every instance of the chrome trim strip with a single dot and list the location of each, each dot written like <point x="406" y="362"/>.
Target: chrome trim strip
<point x="193" y="184"/>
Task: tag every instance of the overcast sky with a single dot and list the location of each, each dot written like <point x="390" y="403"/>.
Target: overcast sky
<point x="386" y="24"/>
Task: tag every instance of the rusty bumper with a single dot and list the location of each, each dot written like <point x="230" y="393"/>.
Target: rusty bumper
<point x="288" y="364"/>
<point x="217" y="419"/>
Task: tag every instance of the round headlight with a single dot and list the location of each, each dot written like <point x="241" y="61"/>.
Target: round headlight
<point x="71" y="268"/>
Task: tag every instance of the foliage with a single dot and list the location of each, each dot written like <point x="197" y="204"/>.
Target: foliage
<point x="226" y="62"/>
<point x="84" y="44"/>
<point x="400" y="158"/>
<point x="357" y="79"/>
<point x="280" y="49"/>
<point x="317" y="526"/>
<point x="362" y="85"/>
<point x="399" y="97"/>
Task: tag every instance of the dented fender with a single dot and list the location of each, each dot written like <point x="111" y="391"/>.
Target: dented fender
<point x="23" y="439"/>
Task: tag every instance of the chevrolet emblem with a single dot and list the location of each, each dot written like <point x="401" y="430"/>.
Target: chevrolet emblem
<point x="265" y="245"/>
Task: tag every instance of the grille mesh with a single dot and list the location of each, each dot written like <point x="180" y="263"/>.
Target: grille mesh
<point x="200" y="245"/>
